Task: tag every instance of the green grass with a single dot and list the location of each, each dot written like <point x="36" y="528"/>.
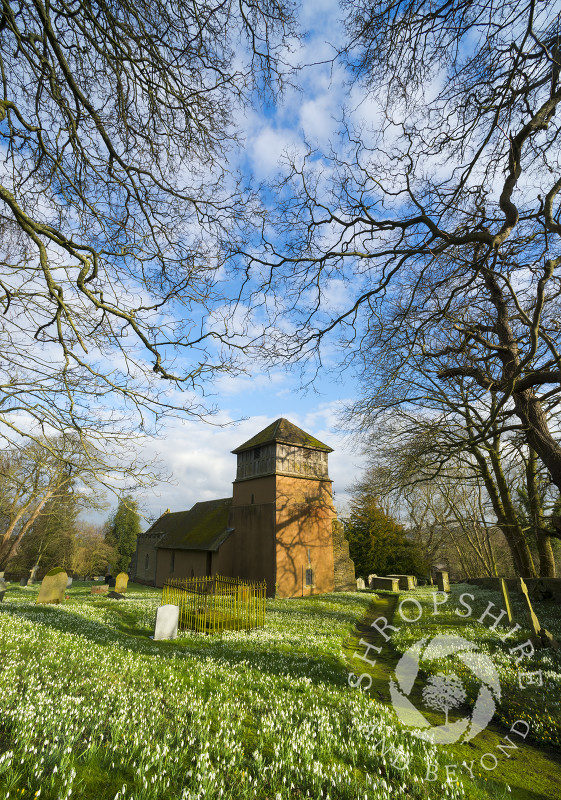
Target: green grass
<point x="532" y="771"/>
<point x="92" y="708"/>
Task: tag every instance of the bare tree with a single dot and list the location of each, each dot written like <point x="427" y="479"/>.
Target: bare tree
<point x="37" y="475"/>
<point x="444" y="209"/>
<point x="115" y="204"/>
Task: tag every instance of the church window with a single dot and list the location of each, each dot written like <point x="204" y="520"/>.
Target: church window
<point x="257" y="453"/>
<point x="146" y="561"/>
<point x="172" y="563"/>
<point x="309" y="577"/>
<point x="252" y="499"/>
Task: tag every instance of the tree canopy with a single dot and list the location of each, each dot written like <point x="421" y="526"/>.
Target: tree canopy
<point x="116" y="202"/>
<point x="440" y="213"/>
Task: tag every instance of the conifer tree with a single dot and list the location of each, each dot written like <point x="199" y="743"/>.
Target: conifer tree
<point x="123" y="530"/>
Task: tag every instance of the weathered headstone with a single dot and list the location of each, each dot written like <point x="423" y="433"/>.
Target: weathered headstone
<point x="3" y="587"/>
<point x="23" y="581"/>
<point x="442" y="582"/>
<point x="360" y="583"/>
<point x="32" y="576"/>
<point x="506" y="598"/>
<point x="69" y="583"/>
<point x="115" y="595"/>
<point x="167" y="620"/>
<point x="53" y="586"/>
<point x="541" y="635"/>
<point x="406" y="582"/>
<point x="103" y="589"/>
<point x="121" y="582"/>
<point x="390" y="584"/>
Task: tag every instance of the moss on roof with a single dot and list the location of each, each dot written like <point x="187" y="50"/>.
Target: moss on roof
<point x="283" y="431"/>
<point x="203" y="527"/>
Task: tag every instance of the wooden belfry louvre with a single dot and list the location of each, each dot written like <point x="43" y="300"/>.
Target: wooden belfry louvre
<point x="213" y="604"/>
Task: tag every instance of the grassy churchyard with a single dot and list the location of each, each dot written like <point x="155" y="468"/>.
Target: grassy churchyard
<point x="92" y="708"/>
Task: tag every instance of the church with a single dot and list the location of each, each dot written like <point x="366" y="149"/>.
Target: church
<point x="280" y="524"/>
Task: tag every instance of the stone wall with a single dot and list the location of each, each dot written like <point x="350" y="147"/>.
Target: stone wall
<point x="344" y="566"/>
<point x="551" y="585"/>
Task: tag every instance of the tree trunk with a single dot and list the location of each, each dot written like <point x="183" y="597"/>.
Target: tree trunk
<point x="530" y="412"/>
<point x="535" y="512"/>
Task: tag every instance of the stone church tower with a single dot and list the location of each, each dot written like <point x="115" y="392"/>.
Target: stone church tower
<point x="280" y="525"/>
<point x="282" y="511"/>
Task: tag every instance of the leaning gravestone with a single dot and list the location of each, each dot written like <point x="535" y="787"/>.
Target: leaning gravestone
<point x="121" y="582"/>
<point x="442" y="582"/>
<point x="3" y="587"/>
<point x="167" y="620"/>
<point x="541" y="635"/>
<point x="115" y="595"/>
<point x="506" y="598"/>
<point x="53" y="586"/>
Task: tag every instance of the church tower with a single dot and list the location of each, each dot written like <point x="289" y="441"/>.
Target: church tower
<point x="282" y="512"/>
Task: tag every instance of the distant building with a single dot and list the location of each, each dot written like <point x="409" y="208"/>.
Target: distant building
<point x="280" y="525"/>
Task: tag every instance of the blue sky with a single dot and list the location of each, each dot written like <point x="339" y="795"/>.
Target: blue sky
<point x="197" y="454"/>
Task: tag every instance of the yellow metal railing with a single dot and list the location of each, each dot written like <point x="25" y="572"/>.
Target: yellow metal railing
<point x="213" y="604"/>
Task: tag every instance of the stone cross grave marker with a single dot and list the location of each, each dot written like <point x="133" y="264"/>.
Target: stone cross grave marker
<point x="167" y="620"/>
<point x="506" y="598"/>
<point x="442" y="582"/>
<point x="53" y="587"/>
<point x="3" y="587"/>
<point x="121" y="582"/>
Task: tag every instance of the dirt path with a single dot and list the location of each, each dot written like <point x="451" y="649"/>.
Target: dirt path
<point x="532" y="771"/>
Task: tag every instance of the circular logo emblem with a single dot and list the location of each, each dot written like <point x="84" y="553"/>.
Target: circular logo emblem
<point x="444" y="692"/>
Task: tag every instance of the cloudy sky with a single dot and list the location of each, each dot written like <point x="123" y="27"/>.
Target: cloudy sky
<point x="196" y="454"/>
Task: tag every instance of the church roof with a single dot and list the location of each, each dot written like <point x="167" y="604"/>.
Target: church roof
<point x="203" y="527"/>
<point x="283" y="431"/>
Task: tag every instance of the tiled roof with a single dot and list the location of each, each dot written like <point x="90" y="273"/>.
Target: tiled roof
<point x="203" y="527"/>
<point x="283" y="431"/>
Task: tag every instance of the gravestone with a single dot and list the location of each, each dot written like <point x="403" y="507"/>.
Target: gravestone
<point x="390" y="584"/>
<point x="541" y="635"/>
<point x="167" y="620"/>
<point x="69" y="583"/>
<point x="53" y="587"/>
<point x="506" y="598"/>
<point x="360" y="583"/>
<point x="121" y="582"/>
<point x="103" y="589"/>
<point x="32" y="576"/>
<point x="3" y="587"/>
<point x="116" y="596"/>
<point x="406" y="582"/>
<point x="109" y="580"/>
<point x="442" y="582"/>
<point x="23" y="581"/>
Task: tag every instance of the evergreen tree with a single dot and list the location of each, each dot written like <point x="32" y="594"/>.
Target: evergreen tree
<point x="377" y="543"/>
<point x="122" y="531"/>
